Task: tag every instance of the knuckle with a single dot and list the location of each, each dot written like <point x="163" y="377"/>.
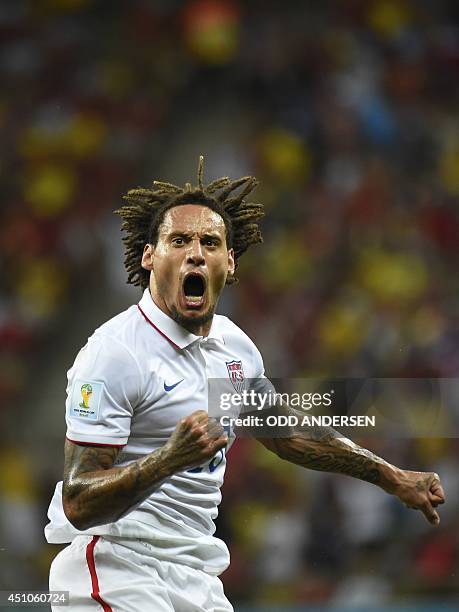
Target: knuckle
<point x="197" y="430"/>
<point x="220" y="443"/>
<point x="219" y="429"/>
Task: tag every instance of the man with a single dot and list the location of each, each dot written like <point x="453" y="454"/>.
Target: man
<point x="143" y="461"/>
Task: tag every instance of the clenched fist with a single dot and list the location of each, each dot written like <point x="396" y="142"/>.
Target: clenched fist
<point x="421" y="491"/>
<point x="195" y="439"/>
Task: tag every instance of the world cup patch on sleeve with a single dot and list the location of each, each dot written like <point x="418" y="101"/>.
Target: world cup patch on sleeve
<point x="85" y="399"/>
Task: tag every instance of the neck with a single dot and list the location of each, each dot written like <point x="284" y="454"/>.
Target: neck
<point x="199" y="326"/>
<point x="198" y="329"/>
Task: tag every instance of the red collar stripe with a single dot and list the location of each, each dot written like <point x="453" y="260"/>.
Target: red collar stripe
<point x="157" y="329"/>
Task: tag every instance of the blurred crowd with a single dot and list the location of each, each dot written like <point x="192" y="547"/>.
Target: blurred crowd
<point x="347" y="112"/>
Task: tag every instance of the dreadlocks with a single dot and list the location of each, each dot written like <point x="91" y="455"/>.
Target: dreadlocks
<point x="146" y="208"/>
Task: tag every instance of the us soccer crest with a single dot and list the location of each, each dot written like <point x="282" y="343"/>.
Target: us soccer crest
<point x="236" y="374"/>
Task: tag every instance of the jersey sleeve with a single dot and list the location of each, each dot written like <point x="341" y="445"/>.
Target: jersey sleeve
<point x="103" y="388"/>
<point x="260" y="383"/>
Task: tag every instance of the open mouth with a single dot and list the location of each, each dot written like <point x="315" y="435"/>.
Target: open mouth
<point x="194" y="287"/>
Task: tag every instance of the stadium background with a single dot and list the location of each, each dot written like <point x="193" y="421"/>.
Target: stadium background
<point x="347" y="111"/>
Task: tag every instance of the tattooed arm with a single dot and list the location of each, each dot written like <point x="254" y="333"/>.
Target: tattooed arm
<point x="326" y="450"/>
<point x="94" y="492"/>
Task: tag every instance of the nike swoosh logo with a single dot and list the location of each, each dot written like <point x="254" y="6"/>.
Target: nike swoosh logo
<point x="170" y="387"/>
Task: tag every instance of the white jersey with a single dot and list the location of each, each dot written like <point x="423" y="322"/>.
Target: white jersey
<point x="136" y="377"/>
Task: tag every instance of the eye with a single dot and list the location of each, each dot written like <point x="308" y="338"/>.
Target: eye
<point x="210" y="242"/>
<point x="178" y="241"/>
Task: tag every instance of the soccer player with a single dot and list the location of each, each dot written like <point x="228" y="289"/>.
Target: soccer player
<point x="144" y="462"/>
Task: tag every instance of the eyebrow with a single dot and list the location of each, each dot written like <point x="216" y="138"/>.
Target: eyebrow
<point x="187" y="234"/>
<point x="212" y="235"/>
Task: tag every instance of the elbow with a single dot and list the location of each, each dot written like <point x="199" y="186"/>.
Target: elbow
<point x="289" y="449"/>
<point x="74" y="517"/>
<point x="282" y="452"/>
<point x="73" y="514"/>
<point x="278" y="446"/>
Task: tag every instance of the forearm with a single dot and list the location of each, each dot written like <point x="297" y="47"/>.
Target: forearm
<point x="96" y="497"/>
<point x="96" y="493"/>
<point x="325" y="449"/>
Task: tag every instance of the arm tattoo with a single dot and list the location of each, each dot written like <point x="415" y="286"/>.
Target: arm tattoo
<point x="95" y="492"/>
<point x="325" y="449"/>
<point x="331" y="455"/>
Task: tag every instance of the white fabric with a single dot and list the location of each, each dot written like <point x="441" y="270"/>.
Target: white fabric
<point x="131" y="580"/>
<point x="145" y="372"/>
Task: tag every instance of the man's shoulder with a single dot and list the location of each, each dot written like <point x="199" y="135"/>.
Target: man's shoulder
<point x="232" y="332"/>
<point x="120" y="324"/>
<point x="120" y="332"/>
<point x="241" y="344"/>
<point x="129" y="331"/>
<point x="113" y="343"/>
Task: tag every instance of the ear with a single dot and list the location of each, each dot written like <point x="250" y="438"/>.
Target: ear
<point x="231" y="264"/>
<point x="147" y="257"/>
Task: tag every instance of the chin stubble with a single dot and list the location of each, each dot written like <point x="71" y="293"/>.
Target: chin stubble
<point x="187" y="322"/>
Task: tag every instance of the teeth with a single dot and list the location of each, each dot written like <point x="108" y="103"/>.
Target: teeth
<point x="193" y="298"/>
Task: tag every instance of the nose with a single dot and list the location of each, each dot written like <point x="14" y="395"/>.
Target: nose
<point x="195" y="255"/>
